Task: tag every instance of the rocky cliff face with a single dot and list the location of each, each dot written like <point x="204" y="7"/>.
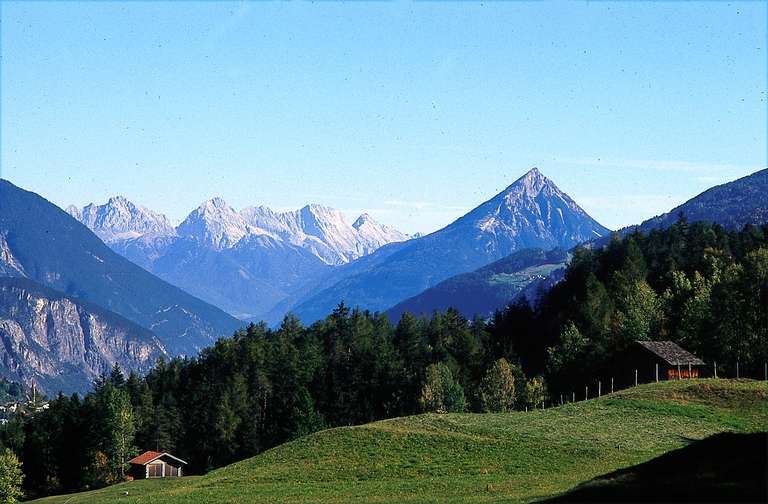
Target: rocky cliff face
<point x="46" y="245"/>
<point x="62" y="344"/>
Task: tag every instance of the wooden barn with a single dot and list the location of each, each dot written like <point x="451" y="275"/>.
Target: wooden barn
<point x="666" y="358"/>
<point x="152" y="464"/>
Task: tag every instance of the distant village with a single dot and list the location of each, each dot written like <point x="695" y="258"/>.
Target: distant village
<point x="30" y="402"/>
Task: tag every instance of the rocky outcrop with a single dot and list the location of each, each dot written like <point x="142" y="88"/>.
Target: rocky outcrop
<point x="48" y="246"/>
<point x="62" y="344"/>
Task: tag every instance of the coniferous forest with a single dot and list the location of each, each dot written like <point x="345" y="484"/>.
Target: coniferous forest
<point x="696" y="284"/>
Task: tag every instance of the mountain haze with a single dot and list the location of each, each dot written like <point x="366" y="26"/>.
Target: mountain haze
<point x="483" y="291"/>
<point x="41" y="242"/>
<point x="248" y="263"/>
<point x="530" y="213"/>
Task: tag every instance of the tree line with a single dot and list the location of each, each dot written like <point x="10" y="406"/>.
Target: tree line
<point x="696" y="284"/>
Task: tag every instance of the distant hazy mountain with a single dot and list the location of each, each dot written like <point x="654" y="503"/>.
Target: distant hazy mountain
<point x="120" y="219"/>
<point x="61" y="343"/>
<point x="324" y="231"/>
<point x="530" y="213"/>
<point x="247" y="263"/>
<point x="483" y="291"/>
<point x="216" y="225"/>
<point x="246" y="280"/>
<point x="733" y="205"/>
<point x="41" y="242"/>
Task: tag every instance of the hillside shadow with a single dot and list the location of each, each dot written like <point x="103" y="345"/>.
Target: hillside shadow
<point x="726" y="467"/>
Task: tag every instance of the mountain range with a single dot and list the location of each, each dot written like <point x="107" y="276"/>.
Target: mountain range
<point x="531" y="213"/>
<point x="732" y="205"/>
<point x="485" y="290"/>
<point x="42" y="243"/>
<point x="245" y="262"/>
<point x="71" y="306"/>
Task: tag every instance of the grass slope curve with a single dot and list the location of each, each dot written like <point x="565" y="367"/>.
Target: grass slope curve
<point x="514" y="457"/>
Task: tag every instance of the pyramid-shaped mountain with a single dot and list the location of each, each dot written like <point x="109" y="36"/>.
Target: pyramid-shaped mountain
<point x="531" y="213"/>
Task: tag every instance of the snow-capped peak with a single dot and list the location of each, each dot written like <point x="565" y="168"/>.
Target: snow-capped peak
<point x="535" y="206"/>
<point x="215" y="224"/>
<point x="120" y="219"/>
<point x="324" y="231"/>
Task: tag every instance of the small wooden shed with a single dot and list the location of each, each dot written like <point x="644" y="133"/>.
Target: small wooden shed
<point x="672" y="361"/>
<point x="152" y="464"/>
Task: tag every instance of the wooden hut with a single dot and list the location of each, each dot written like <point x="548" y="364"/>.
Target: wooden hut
<point x="152" y="464"/>
<point x="666" y="358"/>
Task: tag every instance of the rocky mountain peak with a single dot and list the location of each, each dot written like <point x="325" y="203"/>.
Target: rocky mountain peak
<point x="215" y="224"/>
<point x="75" y="212"/>
<point x="119" y="200"/>
<point x="364" y="218"/>
<point x="120" y="219"/>
<point x="530" y="185"/>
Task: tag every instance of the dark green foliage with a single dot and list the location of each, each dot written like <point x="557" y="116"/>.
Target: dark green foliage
<point x="695" y="284"/>
<point x="11" y="391"/>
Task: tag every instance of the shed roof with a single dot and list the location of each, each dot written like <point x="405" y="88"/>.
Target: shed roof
<point x="150" y="456"/>
<point x="671" y="353"/>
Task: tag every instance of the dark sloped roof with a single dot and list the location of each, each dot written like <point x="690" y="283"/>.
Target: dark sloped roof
<point x="671" y="353"/>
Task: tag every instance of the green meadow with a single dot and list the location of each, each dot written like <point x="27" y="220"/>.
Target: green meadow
<point x="513" y="457"/>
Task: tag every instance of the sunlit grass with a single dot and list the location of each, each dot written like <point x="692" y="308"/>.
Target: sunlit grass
<point x="515" y="457"/>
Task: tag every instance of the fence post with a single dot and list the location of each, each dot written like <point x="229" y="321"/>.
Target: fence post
<point x="561" y="399"/>
<point x="611" y="384"/>
<point x="678" y="371"/>
<point x="766" y="371"/>
<point x="715" y="369"/>
<point x="635" y="377"/>
<point x="573" y="399"/>
<point x="657" y="372"/>
<point x="599" y="389"/>
<point x="737" y="369"/>
<point x="586" y="392"/>
<point x="689" y="370"/>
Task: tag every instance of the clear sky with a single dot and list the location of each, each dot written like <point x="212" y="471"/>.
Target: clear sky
<point x="414" y="112"/>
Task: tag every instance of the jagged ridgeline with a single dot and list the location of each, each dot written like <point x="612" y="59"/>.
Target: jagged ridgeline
<point x="42" y="243"/>
<point x="249" y="262"/>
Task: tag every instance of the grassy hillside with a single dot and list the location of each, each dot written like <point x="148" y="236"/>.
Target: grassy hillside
<point x="514" y="457"/>
<point x="727" y="467"/>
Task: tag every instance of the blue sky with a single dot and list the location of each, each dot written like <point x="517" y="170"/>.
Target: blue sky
<point x="415" y="112"/>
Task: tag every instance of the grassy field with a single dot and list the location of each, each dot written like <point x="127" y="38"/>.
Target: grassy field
<point x="516" y="457"/>
<point x="726" y="467"/>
